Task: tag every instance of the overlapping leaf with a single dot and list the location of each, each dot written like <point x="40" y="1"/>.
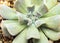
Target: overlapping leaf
<point x="33" y="19"/>
<point x="7" y="12"/>
<point x="13" y="27"/>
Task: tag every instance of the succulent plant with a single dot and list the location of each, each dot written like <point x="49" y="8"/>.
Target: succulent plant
<point x="33" y="19"/>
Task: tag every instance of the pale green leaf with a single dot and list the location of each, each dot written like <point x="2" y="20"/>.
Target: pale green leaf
<point x="53" y="22"/>
<point x="23" y="19"/>
<point x="54" y="11"/>
<point x="5" y="32"/>
<point x="21" y="38"/>
<point x="43" y="38"/>
<point x="7" y="12"/>
<point x="40" y="22"/>
<point x="50" y="3"/>
<point x="13" y="27"/>
<point x="53" y="35"/>
<point x="32" y="32"/>
<point x="42" y="9"/>
<point x="21" y="6"/>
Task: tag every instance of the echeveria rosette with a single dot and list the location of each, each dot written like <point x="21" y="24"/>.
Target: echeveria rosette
<point x="32" y="19"/>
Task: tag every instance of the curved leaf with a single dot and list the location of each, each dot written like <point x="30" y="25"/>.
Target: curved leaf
<point x="42" y="9"/>
<point x="50" y="3"/>
<point x="51" y="34"/>
<point x="54" y="11"/>
<point x="13" y="27"/>
<point x="40" y="22"/>
<point x="7" y="12"/>
<point x="21" y="6"/>
<point x="5" y="32"/>
<point x="43" y="38"/>
<point x="33" y="32"/>
<point x="21" y="38"/>
<point x="53" y="22"/>
<point x="23" y="19"/>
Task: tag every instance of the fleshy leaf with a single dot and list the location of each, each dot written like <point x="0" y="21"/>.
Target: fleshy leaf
<point x="54" y="11"/>
<point x="42" y="9"/>
<point x="33" y="32"/>
<point x="50" y="3"/>
<point x="37" y="4"/>
<point x="53" y="35"/>
<point x="7" y="12"/>
<point x="21" y="6"/>
<point x="40" y="22"/>
<point x="43" y="38"/>
<point x="23" y="19"/>
<point x="5" y="32"/>
<point x="53" y="22"/>
<point x="13" y="27"/>
<point x="21" y="38"/>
